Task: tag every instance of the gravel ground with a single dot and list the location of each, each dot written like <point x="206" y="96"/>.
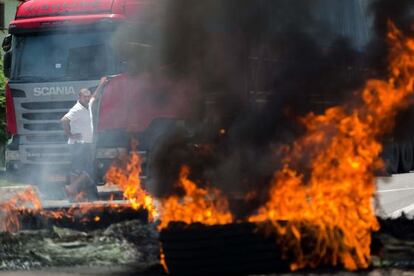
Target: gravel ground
<point x="124" y="271"/>
<point x="88" y="270"/>
<point x="376" y="272"/>
<point x="125" y="246"/>
<point x="132" y="248"/>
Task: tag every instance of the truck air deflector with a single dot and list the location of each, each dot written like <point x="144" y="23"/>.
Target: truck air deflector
<point x="42" y="24"/>
<point x="36" y="8"/>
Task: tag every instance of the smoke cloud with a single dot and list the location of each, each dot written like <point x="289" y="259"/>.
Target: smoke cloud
<point x="255" y="68"/>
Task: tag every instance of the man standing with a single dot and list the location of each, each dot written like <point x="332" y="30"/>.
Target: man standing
<point x="77" y="125"/>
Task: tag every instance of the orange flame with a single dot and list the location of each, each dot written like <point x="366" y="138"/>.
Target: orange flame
<point x="9" y="209"/>
<point x="27" y="202"/>
<point x="343" y="148"/>
<point x="331" y="198"/>
<point x="129" y="181"/>
<point x="206" y="206"/>
<point x="162" y="260"/>
<point x="127" y="178"/>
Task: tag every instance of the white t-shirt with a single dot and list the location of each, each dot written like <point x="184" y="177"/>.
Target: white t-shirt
<point x="80" y="122"/>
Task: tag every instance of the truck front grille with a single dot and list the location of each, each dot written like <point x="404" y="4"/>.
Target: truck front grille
<point x="46" y="139"/>
<point x="43" y="127"/>
<point x="43" y="116"/>
<point x="56" y="155"/>
<point x="48" y="105"/>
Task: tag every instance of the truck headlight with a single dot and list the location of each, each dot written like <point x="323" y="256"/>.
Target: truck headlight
<point x="12" y="155"/>
<point x="110" y="153"/>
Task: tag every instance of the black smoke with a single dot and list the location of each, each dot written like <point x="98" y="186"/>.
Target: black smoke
<point x="258" y="66"/>
<point x="400" y="13"/>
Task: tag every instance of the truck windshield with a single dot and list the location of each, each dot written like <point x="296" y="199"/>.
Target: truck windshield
<point x="63" y="56"/>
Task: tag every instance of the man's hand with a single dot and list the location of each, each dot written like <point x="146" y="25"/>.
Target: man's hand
<point x="103" y="81"/>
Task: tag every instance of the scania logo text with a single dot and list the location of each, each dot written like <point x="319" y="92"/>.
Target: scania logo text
<point x="54" y="91"/>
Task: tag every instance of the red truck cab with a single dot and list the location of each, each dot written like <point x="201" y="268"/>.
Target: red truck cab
<point x="55" y="48"/>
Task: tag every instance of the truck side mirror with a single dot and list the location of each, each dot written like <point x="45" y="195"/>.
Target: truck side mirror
<point x="7" y="61"/>
<point x="7" y="43"/>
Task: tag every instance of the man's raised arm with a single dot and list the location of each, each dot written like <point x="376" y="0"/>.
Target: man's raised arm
<point x="99" y="89"/>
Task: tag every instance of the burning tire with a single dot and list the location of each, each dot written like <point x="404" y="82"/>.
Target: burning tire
<point x="219" y="250"/>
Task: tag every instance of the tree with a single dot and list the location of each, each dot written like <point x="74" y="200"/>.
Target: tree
<point x="3" y="133"/>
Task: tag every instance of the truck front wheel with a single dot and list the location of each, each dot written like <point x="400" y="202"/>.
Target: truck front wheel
<point x="164" y="162"/>
<point x="406" y="157"/>
<point x="391" y="156"/>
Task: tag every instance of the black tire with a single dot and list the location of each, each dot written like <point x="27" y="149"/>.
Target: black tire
<point x="412" y="150"/>
<point x="406" y="157"/>
<point x="233" y="249"/>
<point x="391" y="156"/>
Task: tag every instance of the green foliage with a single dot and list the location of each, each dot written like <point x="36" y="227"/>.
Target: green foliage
<point x="3" y="134"/>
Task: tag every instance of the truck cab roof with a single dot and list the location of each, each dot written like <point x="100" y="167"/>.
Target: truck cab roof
<point x="45" y="8"/>
<point x="41" y="14"/>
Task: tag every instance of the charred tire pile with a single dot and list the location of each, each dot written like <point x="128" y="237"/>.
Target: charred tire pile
<point x="393" y="245"/>
<point x="80" y="220"/>
<point x="219" y="250"/>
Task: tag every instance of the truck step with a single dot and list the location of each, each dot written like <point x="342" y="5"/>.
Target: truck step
<point x="110" y="192"/>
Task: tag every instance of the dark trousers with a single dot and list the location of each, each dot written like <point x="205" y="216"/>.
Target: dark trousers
<point x="81" y="164"/>
<point x="81" y="159"/>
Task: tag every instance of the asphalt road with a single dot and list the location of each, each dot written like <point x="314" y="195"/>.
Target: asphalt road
<point x="396" y="195"/>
